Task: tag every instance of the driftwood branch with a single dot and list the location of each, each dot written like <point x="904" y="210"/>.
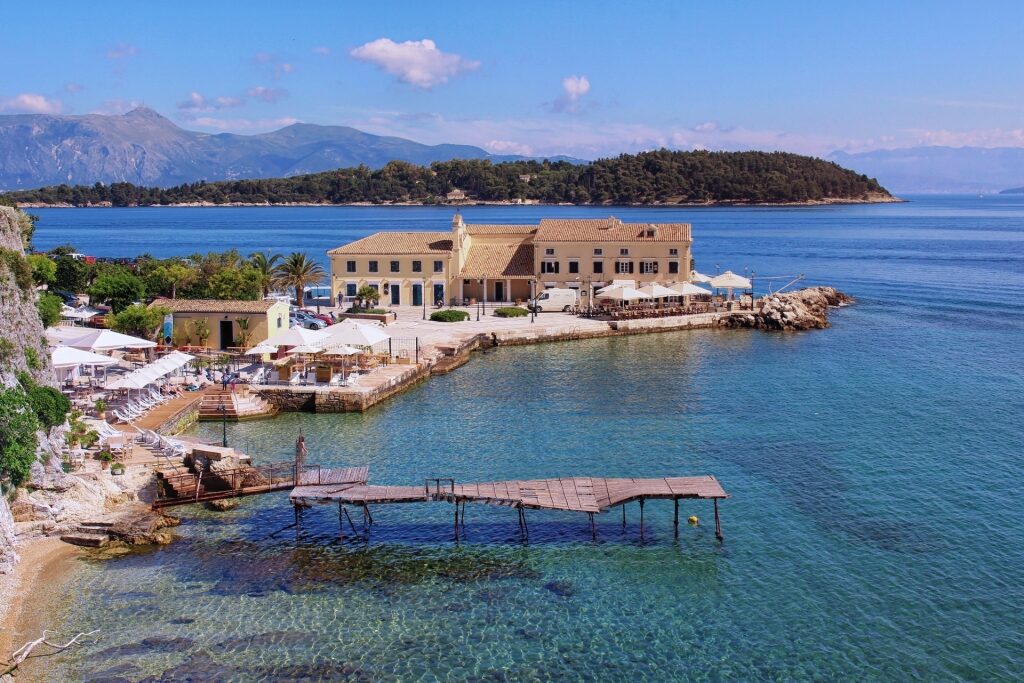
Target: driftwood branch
<point x="23" y="652"/>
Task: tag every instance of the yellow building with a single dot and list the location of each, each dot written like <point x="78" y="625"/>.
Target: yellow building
<point x="505" y="263"/>
<point x="231" y="324"/>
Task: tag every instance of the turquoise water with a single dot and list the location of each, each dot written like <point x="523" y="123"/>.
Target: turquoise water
<point x="875" y="529"/>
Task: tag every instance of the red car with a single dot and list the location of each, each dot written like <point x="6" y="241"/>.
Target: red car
<point x="319" y="316"/>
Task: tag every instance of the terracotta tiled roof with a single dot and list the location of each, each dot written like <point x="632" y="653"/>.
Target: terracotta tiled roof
<point x="482" y="229"/>
<point x="212" y="306"/>
<point x="386" y="243"/>
<point x="609" y="230"/>
<point x="511" y="261"/>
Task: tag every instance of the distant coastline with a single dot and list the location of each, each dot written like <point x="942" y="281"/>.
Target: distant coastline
<point x="873" y="199"/>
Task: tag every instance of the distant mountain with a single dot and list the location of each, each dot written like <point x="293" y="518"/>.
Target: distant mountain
<point x="144" y="148"/>
<point x="939" y="169"/>
<point x="1013" y="190"/>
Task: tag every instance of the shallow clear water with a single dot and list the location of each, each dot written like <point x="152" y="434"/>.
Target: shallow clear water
<point x="875" y="529"/>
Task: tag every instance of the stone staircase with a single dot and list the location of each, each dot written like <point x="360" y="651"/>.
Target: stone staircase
<point x="94" y="534"/>
<point x="236" y="407"/>
<point x="181" y="483"/>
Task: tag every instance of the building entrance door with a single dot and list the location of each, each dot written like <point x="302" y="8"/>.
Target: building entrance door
<point x="499" y="291"/>
<point x="396" y="295"/>
<point x="227" y="339"/>
<point x="417" y="295"/>
<point x="439" y="293"/>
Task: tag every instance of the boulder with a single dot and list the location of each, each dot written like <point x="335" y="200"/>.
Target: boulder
<point x="805" y="309"/>
<point x="141" y="525"/>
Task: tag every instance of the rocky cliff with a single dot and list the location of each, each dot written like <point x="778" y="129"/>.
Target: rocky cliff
<point x="805" y="309"/>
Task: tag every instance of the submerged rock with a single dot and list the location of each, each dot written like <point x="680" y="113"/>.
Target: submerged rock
<point x="805" y="309"/>
<point x="143" y="526"/>
<point x="562" y="589"/>
<point x="222" y="505"/>
<point x="149" y="645"/>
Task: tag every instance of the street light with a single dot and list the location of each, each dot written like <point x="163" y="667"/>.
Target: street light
<point x="224" y="423"/>
<point x="483" y="296"/>
<point x="423" y="296"/>
<point x="533" y="302"/>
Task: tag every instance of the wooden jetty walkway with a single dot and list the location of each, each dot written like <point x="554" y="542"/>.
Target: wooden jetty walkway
<point x="590" y="495"/>
<point x="181" y="487"/>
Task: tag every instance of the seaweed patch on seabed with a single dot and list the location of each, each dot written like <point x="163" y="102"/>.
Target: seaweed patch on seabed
<point x="245" y="568"/>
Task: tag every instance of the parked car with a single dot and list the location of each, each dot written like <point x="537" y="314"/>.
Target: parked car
<point x="555" y="300"/>
<point x="319" y="316"/>
<point x="68" y="298"/>
<point x="306" y="320"/>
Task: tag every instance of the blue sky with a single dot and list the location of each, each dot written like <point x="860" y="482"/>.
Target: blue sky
<point x="580" y="78"/>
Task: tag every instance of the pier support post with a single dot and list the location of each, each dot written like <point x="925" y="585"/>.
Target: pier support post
<point x="641" y="518"/>
<point x="718" y="523"/>
<point x="593" y="527"/>
<point x="675" y="521"/>
<point x="349" y="518"/>
<point x="341" y="521"/>
<point x="623" y="515"/>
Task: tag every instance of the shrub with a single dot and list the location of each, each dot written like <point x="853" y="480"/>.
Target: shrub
<point x="49" y="306"/>
<point x="510" y="312"/>
<point x="20" y="270"/>
<point x="18" y="426"/>
<point x="32" y="359"/>
<point x="449" y="316"/>
<point x="50" y="406"/>
<point x="375" y="311"/>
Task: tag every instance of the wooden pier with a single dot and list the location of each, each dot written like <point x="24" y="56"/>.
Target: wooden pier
<point x="590" y="495"/>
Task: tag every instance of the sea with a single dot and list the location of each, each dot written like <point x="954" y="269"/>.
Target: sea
<point x="875" y="529"/>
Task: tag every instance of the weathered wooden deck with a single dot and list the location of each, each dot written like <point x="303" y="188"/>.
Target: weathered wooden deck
<point x="591" y="495"/>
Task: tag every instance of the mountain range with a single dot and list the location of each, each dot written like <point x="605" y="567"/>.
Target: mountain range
<point x="927" y="170"/>
<point x="144" y="148"/>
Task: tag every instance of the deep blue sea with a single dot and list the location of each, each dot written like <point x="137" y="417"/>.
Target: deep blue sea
<point x="875" y="529"/>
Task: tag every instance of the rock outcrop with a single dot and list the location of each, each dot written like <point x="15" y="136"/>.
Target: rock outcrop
<point x="805" y="309"/>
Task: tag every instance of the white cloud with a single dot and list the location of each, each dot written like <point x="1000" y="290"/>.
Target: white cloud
<point x="991" y="137"/>
<point x="73" y="87"/>
<point x="197" y="102"/>
<point x="322" y="51"/>
<point x="416" y="62"/>
<point x="573" y="90"/>
<point x="31" y="103"/>
<point x="268" y="95"/>
<point x="121" y="51"/>
<point x="277" y="66"/>
<point x="243" y="124"/>
<point x="114" y="107"/>
<point x="508" y="147"/>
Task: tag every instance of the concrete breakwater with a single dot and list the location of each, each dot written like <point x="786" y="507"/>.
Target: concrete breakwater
<point x="801" y="310"/>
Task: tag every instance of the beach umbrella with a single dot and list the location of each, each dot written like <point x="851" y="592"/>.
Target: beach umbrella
<point x="699" y="277"/>
<point x="656" y="291"/>
<point x="261" y="349"/>
<point x="107" y="340"/>
<point x="730" y="280"/>
<point x="297" y="336"/>
<point x="342" y="351"/>
<point x="67" y="357"/>
<point x="621" y="293"/>
<point x="355" y="334"/>
<point x="688" y="289"/>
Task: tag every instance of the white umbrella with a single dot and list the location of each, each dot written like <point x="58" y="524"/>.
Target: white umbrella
<point x="618" y="283"/>
<point x="83" y="313"/>
<point x="342" y="351"/>
<point x="656" y="291"/>
<point x="355" y="334"/>
<point x="107" y="340"/>
<point x="730" y="280"/>
<point x="67" y="357"/>
<point x="688" y="289"/>
<point x="698" y="277"/>
<point x="621" y="293"/>
<point x="261" y="349"/>
<point x="297" y="336"/>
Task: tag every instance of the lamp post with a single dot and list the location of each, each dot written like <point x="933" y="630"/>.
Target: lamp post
<point x="423" y="296"/>
<point x="482" y="295"/>
<point x="533" y="302"/>
<point x="590" y="295"/>
<point x="224" y="424"/>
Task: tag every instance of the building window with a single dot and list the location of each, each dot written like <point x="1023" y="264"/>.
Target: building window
<point x="549" y="252"/>
<point x="574" y="266"/>
<point x="350" y="266"/>
<point x="350" y="289"/>
<point x="599" y="252"/>
<point x="624" y="252"/>
<point x="673" y="252"/>
<point x="549" y="266"/>
<point x="395" y="266"/>
<point x="649" y="267"/>
<point x="280" y="322"/>
<point x="438" y="266"/>
<point x="373" y="266"/>
<point x="417" y="266"/>
<point x="673" y="267"/>
<point x="650" y="232"/>
<point x="598" y="267"/>
<point x="623" y="267"/>
<point x="375" y="288"/>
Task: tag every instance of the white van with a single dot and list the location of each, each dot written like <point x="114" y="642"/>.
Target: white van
<point x="555" y="300"/>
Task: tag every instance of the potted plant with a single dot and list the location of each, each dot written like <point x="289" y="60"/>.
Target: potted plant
<point x="117" y="469"/>
<point x="105" y="457"/>
<point x="101" y="408"/>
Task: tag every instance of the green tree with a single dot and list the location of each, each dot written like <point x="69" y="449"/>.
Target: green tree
<point x="140" y="321"/>
<point x="297" y="271"/>
<point x="18" y="426"/>
<point x="49" y="306"/>
<point x="241" y="284"/>
<point x="264" y="264"/>
<point x="117" y="289"/>
<point x="366" y="295"/>
<point x="44" y="269"/>
<point x="71" y="275"/>
<point x="166" y="278"/>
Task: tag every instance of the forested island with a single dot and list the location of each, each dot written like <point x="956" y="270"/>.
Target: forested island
<point x="657" y="177"/>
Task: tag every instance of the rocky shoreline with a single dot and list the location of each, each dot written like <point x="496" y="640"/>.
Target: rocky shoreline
<point x="804" y="309"/>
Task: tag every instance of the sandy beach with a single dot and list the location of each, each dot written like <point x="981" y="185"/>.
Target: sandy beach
<point x="29" y="596"/>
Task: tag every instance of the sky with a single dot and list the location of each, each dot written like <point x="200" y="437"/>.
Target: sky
<point x="586" y="79"/>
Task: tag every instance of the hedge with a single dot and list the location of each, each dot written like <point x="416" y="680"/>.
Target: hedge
<point x="511" y="312"/>
<point x="17" y="436"/>
<point x="449" y="316"/>
<point x="50" y="406"/>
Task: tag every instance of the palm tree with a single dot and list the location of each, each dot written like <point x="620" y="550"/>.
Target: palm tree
<point x="298" y="271"/>
<point x="264" y="264"/>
